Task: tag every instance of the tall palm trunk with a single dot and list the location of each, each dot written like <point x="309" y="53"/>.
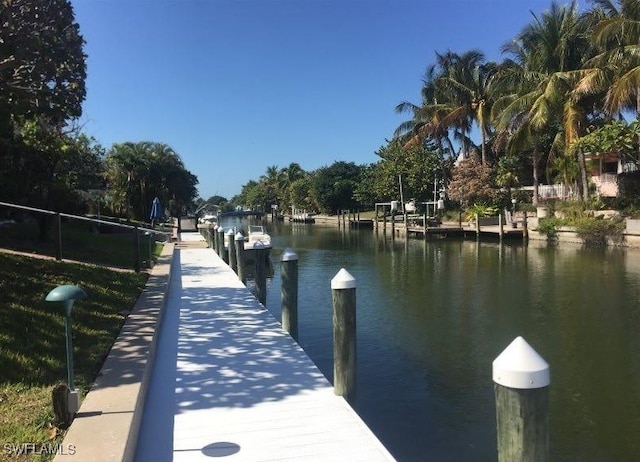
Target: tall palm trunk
<point x="583" y="176"/>
<point x="536" y="181"/>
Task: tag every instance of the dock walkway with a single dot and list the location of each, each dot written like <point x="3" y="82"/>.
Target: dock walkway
<point x="229" y="382"/>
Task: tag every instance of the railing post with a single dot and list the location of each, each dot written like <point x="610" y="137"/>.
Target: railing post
<point x="521" y="388"/>
<point x="59" y="236"/>
<point x="240" y="257"/>
<point x="289" y="292"/>
<point x="136" y="250"/>
<point x="343" y="294"/>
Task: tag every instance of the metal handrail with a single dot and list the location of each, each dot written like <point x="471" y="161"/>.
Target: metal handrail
<point x="80" y="217"/>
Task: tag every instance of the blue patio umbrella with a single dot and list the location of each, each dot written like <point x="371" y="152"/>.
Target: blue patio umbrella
<point x="156" y="211"/>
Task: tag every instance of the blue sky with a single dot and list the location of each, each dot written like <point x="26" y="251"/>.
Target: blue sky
<point x="236" y="86"/>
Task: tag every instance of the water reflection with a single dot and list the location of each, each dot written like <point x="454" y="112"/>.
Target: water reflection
<point x="433" y="315"/>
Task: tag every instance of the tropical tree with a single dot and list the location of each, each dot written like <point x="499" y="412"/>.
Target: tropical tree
<point x="42" y="63"/>
<point x="335" y="186"/>
<point x="472" y="183"/>
<point x="615" y="70"/>
<point x="138" y="172"/>
<point x="538" y="111"/>
<point x="420" y="168"/>
<point x="457" y="91"/>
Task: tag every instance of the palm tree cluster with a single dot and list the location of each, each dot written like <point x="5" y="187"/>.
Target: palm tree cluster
<point x="138" y="172"/>
<point x="564" y="75"/>
<point x="277" y="186"/>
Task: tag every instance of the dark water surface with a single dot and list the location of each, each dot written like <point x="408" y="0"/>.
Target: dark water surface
<point x="432" y="316"/>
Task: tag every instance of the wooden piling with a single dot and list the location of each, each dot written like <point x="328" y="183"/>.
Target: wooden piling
<point x="525" y="227"/>
<point x="261" y="254"/>
<point x="500" y="226"/>
<point x="214" y="238"/>
<point x="477" y="226"/>
<point x="343" y="294"/>
<point x="289" y="292"/>
<point x="221" y="242"/>
<point x="521" y="388"/>
<point x="230" y="246"/>
<point x="239" y="243"/>
<point x="233" y="260"/>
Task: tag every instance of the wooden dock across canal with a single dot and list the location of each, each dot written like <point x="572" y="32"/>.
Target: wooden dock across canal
<point x="229" y="382"/>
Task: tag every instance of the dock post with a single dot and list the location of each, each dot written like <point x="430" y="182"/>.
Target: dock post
<point x="230" y="246"/>
<point x="214" y="238"/>
<point x="501" y="225"/>
<point x="477" y="226"/>
<point x="261" y="255"/>
<point x="289" y="292"/>
<point x="221" y="242"/>
<point x="233" y="259"/>
<point x="525" y="227"/>
<point x="343" y="294"/>
<point x="393" y="224"/>
<point x="375" y="218"/>
<point x="223" y="248"/>
<point x="521" y="388"/>
<point x="384" y="221"/>
<point x="239" y="244"/>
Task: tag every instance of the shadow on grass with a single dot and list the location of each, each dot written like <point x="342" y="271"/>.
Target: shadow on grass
<point x="32" y="343"/>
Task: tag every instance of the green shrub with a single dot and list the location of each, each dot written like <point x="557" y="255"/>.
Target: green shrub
<point x="549" y="226"/>
<point x="482" y="210"/>
<point x="594" y="231"/>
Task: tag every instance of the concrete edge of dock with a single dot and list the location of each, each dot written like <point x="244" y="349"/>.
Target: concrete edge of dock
<point x="107" y="424"/>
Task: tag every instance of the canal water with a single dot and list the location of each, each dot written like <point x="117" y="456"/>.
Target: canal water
<point x="433" y="315"/>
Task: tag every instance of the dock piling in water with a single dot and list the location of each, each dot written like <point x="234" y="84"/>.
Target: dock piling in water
<point x="289" y="292"/>
<point x="229" y="240"/>
<point x="343" y="294"/>
<point x="240" y="257"/>
<point x="521" y="388"/>
<point x="261" y="253"/>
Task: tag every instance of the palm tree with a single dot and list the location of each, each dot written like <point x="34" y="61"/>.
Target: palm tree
<point x="539" y="110"/>
<point x="428" y="118"/>
<point x="615" y="70"/>
<point x="456" y="92"/>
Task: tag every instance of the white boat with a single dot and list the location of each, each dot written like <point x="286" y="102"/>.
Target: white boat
<point x="209" y="218"/>
<point x="257" y="238"/>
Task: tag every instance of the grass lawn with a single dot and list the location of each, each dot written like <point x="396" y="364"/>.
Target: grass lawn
<point x="32" y="344"/>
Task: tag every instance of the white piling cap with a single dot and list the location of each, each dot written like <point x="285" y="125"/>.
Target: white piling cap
<point x="343" y="280"/>
<point x="288" y="255"/>
<point x="221" y="229"/>
<point x="215" y="227"/>
<point x="520" y="366"/>
<point x="239" y="236"/>
<point x="230" y="232"/>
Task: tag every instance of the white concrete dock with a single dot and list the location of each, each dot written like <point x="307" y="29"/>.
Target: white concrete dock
<point x="229" y="382"/>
